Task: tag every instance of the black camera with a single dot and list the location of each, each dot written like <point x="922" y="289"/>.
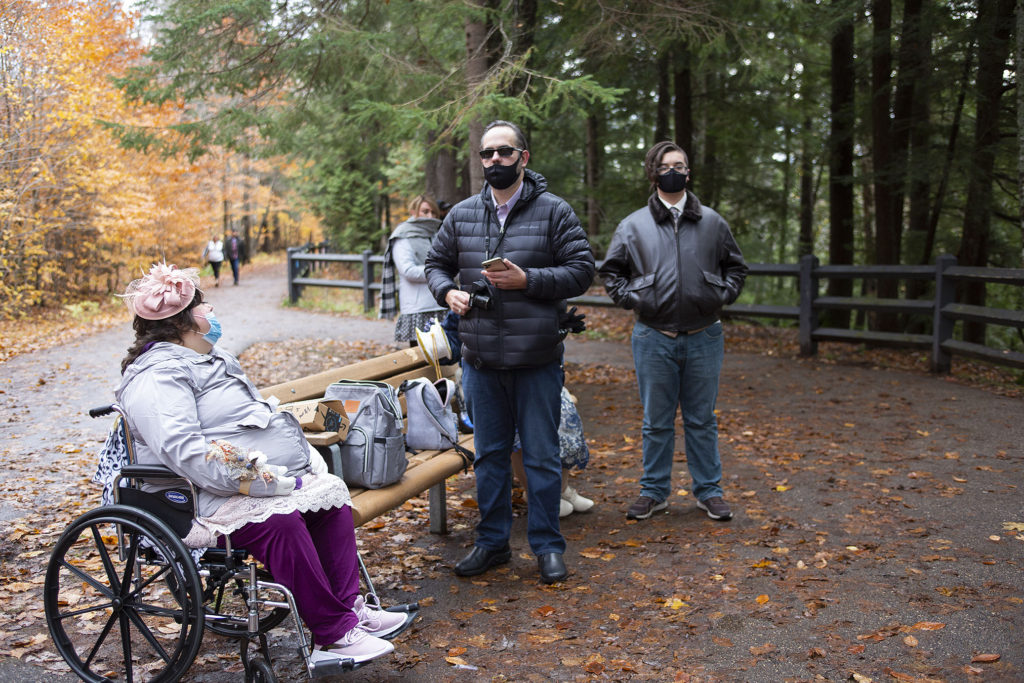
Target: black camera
<point x="480" y="296"/>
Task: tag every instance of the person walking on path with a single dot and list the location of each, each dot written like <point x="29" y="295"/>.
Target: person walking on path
<point x="534" y="255"/>
<point x="675" y="263"/>
<point x="404" y="257"/>
<point x="236" y="253"/>
<point x="214" y="255"/>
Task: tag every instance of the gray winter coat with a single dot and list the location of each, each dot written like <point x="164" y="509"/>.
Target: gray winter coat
<point x="177" y="401"/>
<point x="409" y="249"/>
<point x="543" y="237"/>
<point x="675" y="279"/>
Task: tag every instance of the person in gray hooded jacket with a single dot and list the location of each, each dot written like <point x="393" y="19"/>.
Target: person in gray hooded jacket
<point x="190" y="408"/>
<point x="675" y="264"/>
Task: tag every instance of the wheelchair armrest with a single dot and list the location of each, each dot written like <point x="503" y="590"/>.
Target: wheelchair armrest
<point x="148" y="472"/>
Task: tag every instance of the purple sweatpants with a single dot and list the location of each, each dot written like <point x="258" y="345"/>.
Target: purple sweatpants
<point x="312" y="554"/>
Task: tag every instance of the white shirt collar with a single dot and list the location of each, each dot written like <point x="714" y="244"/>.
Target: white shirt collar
<point x="681" y="204"/>
<point x="504" y="209"/>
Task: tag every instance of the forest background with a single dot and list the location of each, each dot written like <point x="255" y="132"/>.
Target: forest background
<point x="862" y="131"/>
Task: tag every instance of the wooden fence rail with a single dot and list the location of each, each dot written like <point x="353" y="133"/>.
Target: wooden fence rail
<point x="942" y="310"/>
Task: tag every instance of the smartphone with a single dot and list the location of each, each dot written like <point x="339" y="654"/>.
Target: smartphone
<point x="496" y="263"/>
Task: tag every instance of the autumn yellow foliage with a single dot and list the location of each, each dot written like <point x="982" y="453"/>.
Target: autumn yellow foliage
<point x="80" y="216"/>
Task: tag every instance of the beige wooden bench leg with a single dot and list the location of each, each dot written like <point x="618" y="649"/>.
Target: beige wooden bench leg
<point x="438" y="509"/>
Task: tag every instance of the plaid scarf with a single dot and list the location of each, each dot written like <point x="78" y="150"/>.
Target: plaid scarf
<point x="414" y="227"/>
<point x="388" y="286"/>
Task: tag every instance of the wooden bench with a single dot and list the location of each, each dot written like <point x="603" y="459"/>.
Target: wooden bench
<point x="426" y="470"/>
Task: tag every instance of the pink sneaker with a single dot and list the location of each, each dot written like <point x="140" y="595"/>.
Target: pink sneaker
<point x="377" y="622"/>
<point x="357" y="645"/>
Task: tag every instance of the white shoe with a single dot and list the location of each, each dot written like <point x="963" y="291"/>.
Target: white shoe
<point x="578" y="502"/>
<point x="377" y="622"/>
<point x="564" y="508"/>
<point x="357" y="645"/>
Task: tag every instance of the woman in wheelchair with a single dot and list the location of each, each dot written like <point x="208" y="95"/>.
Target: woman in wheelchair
<point x="192" y="409"/>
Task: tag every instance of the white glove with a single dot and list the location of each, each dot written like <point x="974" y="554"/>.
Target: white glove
<point x="316" y="462"/>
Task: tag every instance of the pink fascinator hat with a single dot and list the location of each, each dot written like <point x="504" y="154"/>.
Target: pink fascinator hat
<point x="164" y="291"/>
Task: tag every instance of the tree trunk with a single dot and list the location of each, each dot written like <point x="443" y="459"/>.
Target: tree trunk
<point x="917" y="172"/>
<point x="1019" y="60"/>
<point x="840" y="182"/>
<point x="787" y="180"/>
<point x="592" y="154"/>
<point x="684" y="99"/>
<point x="524" y="28"/>
<point x="476" y="72"/>
<point x="993" y="25"/>
<point x="442" y="170"/>
<point x="806" y="241"/>
<point x="887" y="232"/>
<point x="246" y="211"/>
<point x="707" y="173"/>
<point x="663" y="105"/>
<point x="913" y="45"/>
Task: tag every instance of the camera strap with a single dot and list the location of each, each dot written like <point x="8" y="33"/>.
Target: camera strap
<point x="501" y="234"/>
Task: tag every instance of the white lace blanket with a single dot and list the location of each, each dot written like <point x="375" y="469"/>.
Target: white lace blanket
<point x="318" y="492"/>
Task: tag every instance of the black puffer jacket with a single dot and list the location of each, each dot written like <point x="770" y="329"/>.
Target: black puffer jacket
<point x="543" y="237"/>
<point x="675" y="279"/>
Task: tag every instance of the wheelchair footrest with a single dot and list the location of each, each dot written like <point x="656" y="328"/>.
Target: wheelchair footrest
<point x="410" y="610"/>
<point x="333" y="667"/>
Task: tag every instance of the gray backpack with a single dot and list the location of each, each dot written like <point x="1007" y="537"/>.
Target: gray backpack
<point x="431" y="418"/>
<point x="432" y="422"/>
<point x="373" y="453"/>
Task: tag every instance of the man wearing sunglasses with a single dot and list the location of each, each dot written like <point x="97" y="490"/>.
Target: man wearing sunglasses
<point x="537" y="257"/>
<point x="675" y="264"/>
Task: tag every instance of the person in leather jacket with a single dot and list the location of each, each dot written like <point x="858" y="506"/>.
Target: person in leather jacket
<point x="675" y="264"/>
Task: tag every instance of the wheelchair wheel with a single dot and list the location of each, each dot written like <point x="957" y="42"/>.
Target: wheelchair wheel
<point x="136" y="618"/>
<point x="228" y="609"/>
<point x="260" y="671"/>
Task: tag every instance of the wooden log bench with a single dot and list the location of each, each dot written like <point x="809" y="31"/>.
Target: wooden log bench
<point x="427" y="470"/>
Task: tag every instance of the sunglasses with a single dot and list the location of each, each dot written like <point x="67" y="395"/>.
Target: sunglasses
<point x="503" y="152"/>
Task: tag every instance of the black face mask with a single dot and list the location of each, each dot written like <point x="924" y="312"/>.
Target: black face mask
<point x="501" y="177"/>
<point x="672" y="182"/>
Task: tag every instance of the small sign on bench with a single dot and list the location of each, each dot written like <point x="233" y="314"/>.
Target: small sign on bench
<point x="320" y="416"/>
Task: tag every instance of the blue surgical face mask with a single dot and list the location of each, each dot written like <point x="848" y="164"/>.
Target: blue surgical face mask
<point x="215" y="331"/>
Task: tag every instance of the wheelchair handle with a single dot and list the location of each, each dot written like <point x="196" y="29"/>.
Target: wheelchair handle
<point x="100" y="411"/>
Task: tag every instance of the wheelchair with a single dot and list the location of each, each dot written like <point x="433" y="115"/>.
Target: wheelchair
<point x="125" y="599"/>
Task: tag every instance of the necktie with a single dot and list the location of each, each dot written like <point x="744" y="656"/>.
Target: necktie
<point x="675" y="215"/>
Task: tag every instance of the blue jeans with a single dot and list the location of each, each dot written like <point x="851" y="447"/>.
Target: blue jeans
<point x="679" y="372"/>
<point x="499" y="403"/>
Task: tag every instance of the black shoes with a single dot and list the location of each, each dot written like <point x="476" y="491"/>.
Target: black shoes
<point x="480" y="560"/>
<point x="552" y="567"/>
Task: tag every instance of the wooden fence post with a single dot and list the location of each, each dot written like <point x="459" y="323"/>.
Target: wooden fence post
<point x="942" y="326"/>
<point x="808" y="285"/>
<point x="294" y="290"/>
<point x="367" y="281"/>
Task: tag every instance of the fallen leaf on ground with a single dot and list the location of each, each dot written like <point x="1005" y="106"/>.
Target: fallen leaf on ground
<point x="928" y="625"/>
<point x="984" y="658"/>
